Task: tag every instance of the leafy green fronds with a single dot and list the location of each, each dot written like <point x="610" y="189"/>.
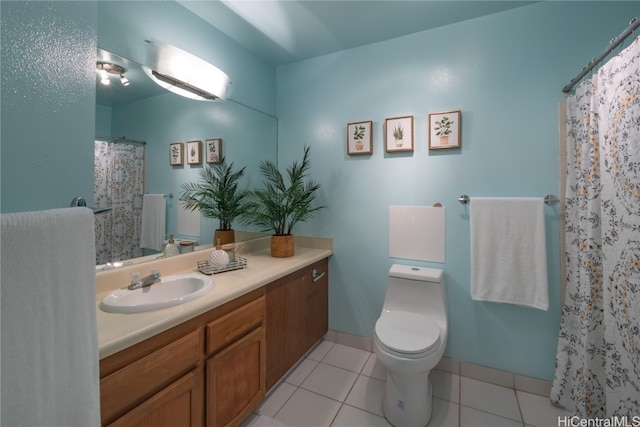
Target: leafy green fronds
<point x="282" y="203"/>
<point x="216" y="195"/>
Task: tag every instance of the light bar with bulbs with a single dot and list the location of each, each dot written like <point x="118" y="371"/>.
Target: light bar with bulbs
<point x="185" y="74"/>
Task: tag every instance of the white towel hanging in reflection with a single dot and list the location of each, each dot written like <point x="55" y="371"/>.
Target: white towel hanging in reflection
<point x="153" y="221"/>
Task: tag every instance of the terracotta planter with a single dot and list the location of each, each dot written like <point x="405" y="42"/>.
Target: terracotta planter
<point x="223" y="237"/>
<point x="444" y="140"/>
<point x="282" y="246"/>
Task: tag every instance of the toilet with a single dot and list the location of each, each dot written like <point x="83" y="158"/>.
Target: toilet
<point x="409" y="340"/>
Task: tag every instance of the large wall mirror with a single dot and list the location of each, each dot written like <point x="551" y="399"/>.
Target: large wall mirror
<point x="142" y="111"/>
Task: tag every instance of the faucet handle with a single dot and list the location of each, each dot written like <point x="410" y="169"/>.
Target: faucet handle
<point x="135" y="277"/>
<point x="155" y="271"/>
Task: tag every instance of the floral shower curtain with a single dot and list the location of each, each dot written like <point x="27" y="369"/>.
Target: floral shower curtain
<point x="598" y="360"/>
<point x="119" y="183"/>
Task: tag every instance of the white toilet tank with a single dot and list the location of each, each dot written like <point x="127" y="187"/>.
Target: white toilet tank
<point x="416" y="289"/>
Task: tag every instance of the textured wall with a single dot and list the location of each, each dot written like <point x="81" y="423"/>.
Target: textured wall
<point x="505" y="72"/>
<point x="48" y="97"/>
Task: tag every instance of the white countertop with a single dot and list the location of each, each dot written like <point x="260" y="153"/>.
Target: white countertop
<point x="119" y="331"/>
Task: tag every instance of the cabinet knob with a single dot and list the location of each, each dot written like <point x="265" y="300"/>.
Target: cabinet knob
<point x="315" y="276"/>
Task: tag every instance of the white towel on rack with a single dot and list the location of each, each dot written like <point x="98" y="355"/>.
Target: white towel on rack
<point x="50" y="359"/>
<point x="153" y="218"/>
<point x="508" y="251"/>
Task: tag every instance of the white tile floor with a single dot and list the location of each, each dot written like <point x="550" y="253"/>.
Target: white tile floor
<point x="336" y="385"/>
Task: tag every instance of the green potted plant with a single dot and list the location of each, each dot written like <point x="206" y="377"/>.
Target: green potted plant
<point x="398" y="135"/>
<point x="282" y="203"/>
<point x="217" y="196"/>
<point x="443" y="130"/>
<point x="358" y="136"/>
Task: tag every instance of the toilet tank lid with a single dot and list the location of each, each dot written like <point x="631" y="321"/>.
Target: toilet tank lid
<point x="412" y="272"/>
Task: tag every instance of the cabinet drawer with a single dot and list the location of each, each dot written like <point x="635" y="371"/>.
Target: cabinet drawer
<point x="234" y="325"/>
<point x="129" y="386"/>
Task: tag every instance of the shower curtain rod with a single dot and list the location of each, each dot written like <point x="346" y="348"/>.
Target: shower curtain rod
<point x="633" y="25"/>
<point x="122" y="140"/>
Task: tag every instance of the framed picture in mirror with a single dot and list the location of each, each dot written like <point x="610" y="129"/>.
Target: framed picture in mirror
<point x="176" y="154"/>
<point x="194" y="152"/>
<point x="213" y="150"/>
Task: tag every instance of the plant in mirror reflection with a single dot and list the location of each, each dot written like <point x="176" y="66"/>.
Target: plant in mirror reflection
<point x="216" y="195"/>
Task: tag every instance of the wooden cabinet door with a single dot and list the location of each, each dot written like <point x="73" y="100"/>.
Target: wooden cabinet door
<point x="135" y="383"/>
<point x="284" y="330"/>
<point x="236" y="380"/>
<point x="179" y="404"/>
<point x="316" y="319"/>
<point x="297" y="317"/>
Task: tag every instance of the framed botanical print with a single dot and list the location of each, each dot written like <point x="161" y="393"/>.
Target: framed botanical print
<point x="176" y="154"/>
<point x="359" y="138"/>
<point x="194" y="152"/>
<point x="398" y="134"/>
<point x="444" y="130"/>
<point x="213" y="150"/>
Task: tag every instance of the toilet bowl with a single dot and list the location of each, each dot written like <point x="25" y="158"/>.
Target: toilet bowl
<point x="409" y="340"/>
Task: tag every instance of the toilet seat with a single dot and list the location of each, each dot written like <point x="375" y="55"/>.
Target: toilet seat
<point x="407" y="334"/>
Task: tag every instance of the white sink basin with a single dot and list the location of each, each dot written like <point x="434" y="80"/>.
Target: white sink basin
<point x="172" y="290"/>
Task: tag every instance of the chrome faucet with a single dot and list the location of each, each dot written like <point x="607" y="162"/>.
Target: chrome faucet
<point x="137" y="282"/>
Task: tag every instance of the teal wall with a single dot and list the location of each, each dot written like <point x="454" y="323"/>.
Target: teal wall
<point x="48" y="110"/>
<point x="123" y="27"/>
<point x="48" y="97"/>
<point x="504" y="72"/>
<point x="249" y="134"/>
<point x="248" y="137"/>
<point x="103" y="121"/>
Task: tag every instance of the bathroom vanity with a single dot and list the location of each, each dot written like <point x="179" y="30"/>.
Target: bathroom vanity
<point x="215" y="358"/>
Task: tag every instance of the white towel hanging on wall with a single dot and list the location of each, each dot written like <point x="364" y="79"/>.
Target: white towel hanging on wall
<point x="50" y="374"/>
<point x="508" y="251"/>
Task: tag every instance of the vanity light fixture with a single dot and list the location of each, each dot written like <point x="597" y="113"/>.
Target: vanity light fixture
<point x="105" y="69"/>
<point x="185" y="74"/>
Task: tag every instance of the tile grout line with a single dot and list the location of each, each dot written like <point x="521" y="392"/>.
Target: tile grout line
<point x="519" y="406"/>
<point x="359" y="376"/>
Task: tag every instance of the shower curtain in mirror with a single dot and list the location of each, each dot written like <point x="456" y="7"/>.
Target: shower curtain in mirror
<point x="598" y="359"/>
<point x="119" y="183"/>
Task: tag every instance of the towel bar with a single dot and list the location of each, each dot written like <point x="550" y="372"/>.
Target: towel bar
<point x="549" y="199"/>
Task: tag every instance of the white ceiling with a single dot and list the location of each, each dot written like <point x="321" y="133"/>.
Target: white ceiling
<point x="285" y="31"/>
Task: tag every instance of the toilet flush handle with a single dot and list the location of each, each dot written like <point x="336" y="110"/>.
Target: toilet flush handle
<point x="315" y="276"/>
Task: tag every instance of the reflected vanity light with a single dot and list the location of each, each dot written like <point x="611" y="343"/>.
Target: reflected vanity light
<point x="185" y="74"/>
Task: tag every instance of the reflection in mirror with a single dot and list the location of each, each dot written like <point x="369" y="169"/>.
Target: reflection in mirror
<point x="139" y="122"/>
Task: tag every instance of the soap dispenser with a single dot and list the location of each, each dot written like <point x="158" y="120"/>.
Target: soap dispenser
<point x="171" y="249"/>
